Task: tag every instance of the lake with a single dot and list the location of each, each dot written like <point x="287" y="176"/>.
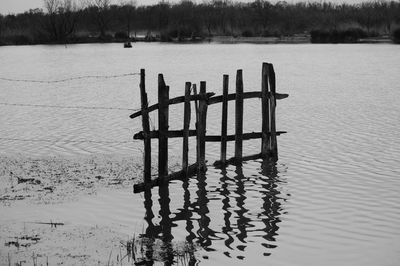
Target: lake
<point x="333" y="197"/>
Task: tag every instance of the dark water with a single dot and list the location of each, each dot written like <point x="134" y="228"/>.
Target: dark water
<point x="227" y="216"/>
<point x="332" y="198"/>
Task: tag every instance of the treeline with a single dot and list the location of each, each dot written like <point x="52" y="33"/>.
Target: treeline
<point x="64" y="21"/>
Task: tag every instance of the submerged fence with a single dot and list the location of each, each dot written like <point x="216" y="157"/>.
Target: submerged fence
<point x="268" y="134"/>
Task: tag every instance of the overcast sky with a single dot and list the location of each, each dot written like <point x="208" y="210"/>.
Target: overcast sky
<point x="19" y="6"/>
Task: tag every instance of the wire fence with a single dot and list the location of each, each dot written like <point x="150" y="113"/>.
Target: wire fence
<point x="66" y="107"/>
<point x="66" y="141"/>
<point x="65" y="80"/>
<point x="70" y="79"/>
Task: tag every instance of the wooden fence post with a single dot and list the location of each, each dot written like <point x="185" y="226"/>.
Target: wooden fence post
<point x="272" y="101"/>
<point x="196" y="108"/>
<point x="224" y="126"/>
<point x="186" y="124"/>
<point x="239" y="117"/>
<point x="201" y="127"/>
<point x="163" y="98"/>
<point x="146" y="129"/>
<point x="196" y="103"/>
<point x="265" y="134"/>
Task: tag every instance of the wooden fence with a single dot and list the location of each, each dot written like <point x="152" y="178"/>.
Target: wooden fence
<point x="268" y="134"/>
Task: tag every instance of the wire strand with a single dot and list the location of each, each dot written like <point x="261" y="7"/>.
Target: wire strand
<point x="67" y="107"/>
<point x="69" y="79"/>
<point x="67" y="141"/>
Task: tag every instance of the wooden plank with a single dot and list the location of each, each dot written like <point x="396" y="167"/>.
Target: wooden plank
<point x="224" y="125"/>
<point x="246" y="95"/>
<point x="265" y="140"/>
<point x="201" y="127"/>
<point x="274" y="142"/>
<point x="176" y="100"/>
<point x="196" y="102"/>
<point x="272" y="101"/>
<point x="281" y="96"/>
<point x="163" y="97"/>
<point x="146" y="128"/>
<point x="272" y="82"/>
<point x="180" y="175"/>
<point x="245" y="136"/>
<point x="209" y="138"/>
<point x="196" y="107"/>
<point x="186" y="124"/>
<point x="154" y="134"/>
<point x="211" y="99"/>
<point x="239" y="115"/>
<point x="232" y="97"/>
<point x="235" y="161"/>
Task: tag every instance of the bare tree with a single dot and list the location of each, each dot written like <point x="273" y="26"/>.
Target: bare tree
<point x="1" y="25"/>
<point x="262" y="14"/>
<point x="60" y="20"/>
<point x="129" y="10"/>
<point x="102" y="18"/>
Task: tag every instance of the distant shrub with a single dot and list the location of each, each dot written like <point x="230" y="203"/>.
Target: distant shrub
<point x="319" y="36"/>
<point x="350" y="35"/>
<point x="121" y="35"/>
<point x="396" y="35"/>
<point x="19" y="39"/>
<point x="247" y="33"/>
<point x="165" y="37"/>
<point x="373" y="34"/>
<point x="268" y="33"/>
<point x="41" y="37"/>
<point x="180" y="33"/>
<point x="106" y="38"/>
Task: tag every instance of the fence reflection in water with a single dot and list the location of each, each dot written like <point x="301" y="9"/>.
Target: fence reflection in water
<point x="239" y="226"/>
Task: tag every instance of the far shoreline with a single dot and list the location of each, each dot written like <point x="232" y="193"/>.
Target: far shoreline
<point x="295" y="39"/>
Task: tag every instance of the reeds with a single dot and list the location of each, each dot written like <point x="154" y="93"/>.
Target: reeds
<point x="144" y="250"/>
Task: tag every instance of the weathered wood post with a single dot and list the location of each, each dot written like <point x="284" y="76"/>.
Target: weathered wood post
<point x="196" y="103"/>
<point x="196" y="108"/>
<point x="163" y="98"/>
<point x="224" y="125"/>
<point x="265" y="134"/>
<point x="272" y="102"/>
<point x="186" y="124"/>
<point x="146" y="129"/>
<point x="239" y="117"/>
<point x="201" y="127"/>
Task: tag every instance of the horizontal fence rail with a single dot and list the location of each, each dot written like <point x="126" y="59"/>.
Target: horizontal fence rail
<point x="210" y="100"/>
<point x="154" y="134"/>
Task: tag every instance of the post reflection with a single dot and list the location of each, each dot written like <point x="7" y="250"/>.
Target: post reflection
<point x="271" y="205"/>
<point x="151" y="230"/>
<point x="205" y="234"/>
<point x="166" y="225"/>
<point x="225" y="193"/>
<point x="241" y="223"/>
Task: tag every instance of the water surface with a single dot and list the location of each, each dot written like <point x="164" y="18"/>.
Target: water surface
<point x="332" y="198"/>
